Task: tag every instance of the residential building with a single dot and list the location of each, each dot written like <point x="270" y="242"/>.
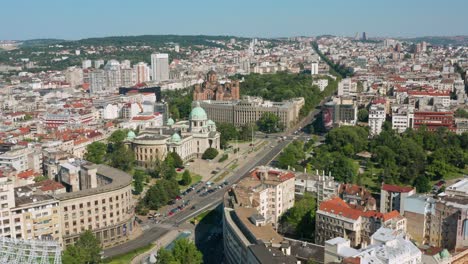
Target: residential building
<point x="314" y="70"/>
<point x="392" y="197"/>
<point x="160" y="67"/>
<point x="434" y="120"/>
<point x="85" y="64"/>
<point x="251" y="208"/>
<point x="449" y="223"/>
<point x="142" y="72"/>
<point x="339" y="111"/>
<point x="402" y="118"/>
<point x="419" y="210"/>
<point x="321" y="83"/>
<point x="336" y="218"/>
<point x="347" y="87"/>
<point x="386" y="247"/>
<point x="377" y="116"/>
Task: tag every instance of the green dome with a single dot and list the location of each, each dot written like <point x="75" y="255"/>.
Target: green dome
<point x="211" y="123"/>
<point x="444" y="254"/>
<point x="131" y="135"/>
<point x="198" y="113"/>
<point x="170" y="122"/>
<point x="175" y="138"/>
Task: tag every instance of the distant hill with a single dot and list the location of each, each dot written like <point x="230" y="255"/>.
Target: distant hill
<point x="440" y="41"/>
<point x="41" y="42"/>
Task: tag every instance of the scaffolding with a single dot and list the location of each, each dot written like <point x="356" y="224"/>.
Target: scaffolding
<point x="20" y="251"/>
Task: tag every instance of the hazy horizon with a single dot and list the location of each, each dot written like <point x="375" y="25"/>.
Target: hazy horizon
<point x="68" y="20"/>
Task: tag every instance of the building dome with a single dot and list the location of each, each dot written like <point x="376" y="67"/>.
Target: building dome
<point x="198" y="113"/>
<point x="170" y="122"/>
<point x="131" y="135"/>
<point x="444" y="254"/>
<point x="175" y="138"/>
<point x="211" y="123"/>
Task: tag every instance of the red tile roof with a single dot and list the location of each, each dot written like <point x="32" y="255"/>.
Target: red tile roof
<point x="49" y="185"/>
<point x="396" y="188"/>
<point x="339" y="207"/>
<point x="25" y="174"/>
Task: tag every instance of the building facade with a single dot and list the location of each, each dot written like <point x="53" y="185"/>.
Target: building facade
<point x="212" y="89"/>
<point x="250" y="109"/>
<point x="336" y="218"/>
<point x="189" y="139"/>
<point x="160" y="67"/>
<point x="103" y="204"/>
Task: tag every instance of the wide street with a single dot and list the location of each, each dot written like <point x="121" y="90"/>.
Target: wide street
<point x="198" y="204"/>
<point x="152" y="231"/>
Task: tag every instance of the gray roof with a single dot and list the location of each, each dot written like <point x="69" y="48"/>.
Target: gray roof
<point x="118" y="180"/>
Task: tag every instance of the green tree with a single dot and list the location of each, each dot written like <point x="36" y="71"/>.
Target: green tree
<point x="138" y="178"/>
<point x="160" y="194"/>
<point x="184" y="252"/>
<point x="87" y="250"/>
<point x="210" y="153"/>
<point x="177" y="160"/>
<point x="40" y="178"/>
<point x="344" y="169"/>
<point x="247" y="131"/>
<point x="186" y="178"/>
<point x="118" y="136"/>
<point x="228" y="132"/>
<point x="165" y="256"/>
<point x="96" y="152"/>
<point x="422" y="184"/>
<point x="269" y="123"/>
<point x="299" y="220"/>
<point x="363" y="115"/>
<point x="122" y="157"/>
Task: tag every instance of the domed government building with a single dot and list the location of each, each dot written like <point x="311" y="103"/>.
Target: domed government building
<point x="189" y="139"/>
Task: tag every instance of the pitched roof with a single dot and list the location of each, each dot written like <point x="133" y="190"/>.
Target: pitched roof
<point x="396" y="188"/>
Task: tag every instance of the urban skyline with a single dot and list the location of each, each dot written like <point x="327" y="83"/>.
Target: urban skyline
<point x="246" y="18"/>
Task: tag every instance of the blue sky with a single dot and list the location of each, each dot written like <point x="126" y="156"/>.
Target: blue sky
<point x="73" y="19"/>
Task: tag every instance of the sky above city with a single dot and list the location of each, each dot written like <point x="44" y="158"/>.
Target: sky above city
<point x="71" y="19"/>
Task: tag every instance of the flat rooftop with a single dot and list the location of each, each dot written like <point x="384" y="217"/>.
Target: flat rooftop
<point x="118" y="180"/>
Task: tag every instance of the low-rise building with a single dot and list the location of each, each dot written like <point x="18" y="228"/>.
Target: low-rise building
<point x="392" y="197"/>
<point x="336" y="218"/>
<point x="386" y="246"/>
<point x="251" y="211"/>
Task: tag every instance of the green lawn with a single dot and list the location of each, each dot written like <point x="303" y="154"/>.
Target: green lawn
<point x="221" y="176"/>
<point x="127" y="258"/>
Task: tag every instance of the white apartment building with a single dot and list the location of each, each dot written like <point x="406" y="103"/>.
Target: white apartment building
<point x="160" y="67"/>
<point x="269" y="190"/>
<point x="347" y="87"/>
<point x="314" y="70"/>
<point x="7" y="201"/>
<point x="21" y="159"/>
<point x="377" y="114"/>
<point x="321" y="83"/>
<point x="86" y="64"/>
<point x="402" y="118"/>
<point x="386" y="247"/>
